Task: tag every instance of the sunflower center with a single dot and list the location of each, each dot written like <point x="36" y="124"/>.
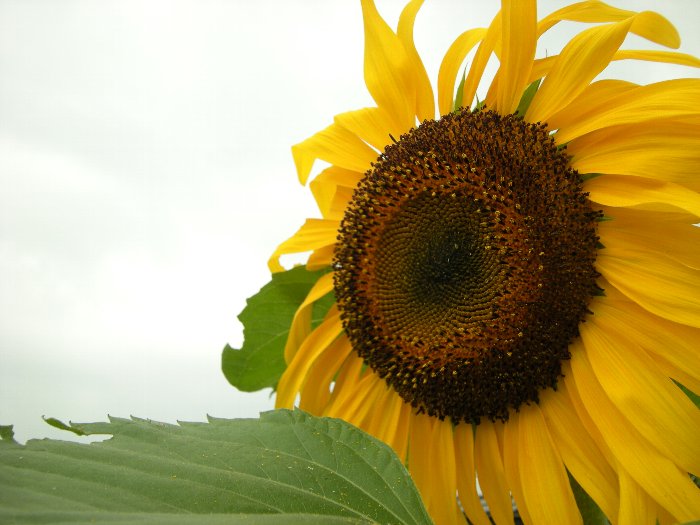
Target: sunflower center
<point x="464" y="264"/>
<point x="428" y="259"/>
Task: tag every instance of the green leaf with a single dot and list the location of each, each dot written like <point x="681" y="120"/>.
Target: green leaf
<point x="266" y="320"/>
<point x="57" y="423"/>
<point x="7" y="435"/>
<point x="460" y="92"/>
<point x="286" y="467"/>
<point x="590" y="511"/>
<point x="527" y="97"/>
<point x="692" y="395"/>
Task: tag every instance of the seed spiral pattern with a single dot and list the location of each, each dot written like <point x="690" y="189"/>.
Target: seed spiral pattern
<point x="465" y="263"/>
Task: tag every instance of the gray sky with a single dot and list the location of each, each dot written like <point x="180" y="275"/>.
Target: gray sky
<point x="146" y="176"/>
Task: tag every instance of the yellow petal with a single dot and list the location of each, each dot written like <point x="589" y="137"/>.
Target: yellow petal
<point x="356" y="401"/>
<point x="314" y="234"/>
<point x="665" y="150"/>
<point x="581" y="60"/>
<point x="419" y="461"/>
<point x="432" y="451"/>
<point x="361" y="408"/>
<point x="651" y="26"/>
<point x="333" y="206"/>
<point x="492" y="479"/>
<point x="323" y="191"/>
<point x="466" y="475"/>
<point x="316" y="392"/>
<point x="547" y="491"/>
<point x="425" y="103"/>
<point x="668" y="234"/>
<point x="592" y="429"/>
<point x="333" y="177"/>
<point x="519" y="19"/>
<point x="622" y="190"/>
<point x="397" y="433"/>
<point x="578" y="449"/>
<point x="636" y="508"/>
<point x="661" y="286"/>
<point x="656" y="28"/>
<point x="672" y="343"/>
<point x="320" y="258"/>
<point x="596" y="96"/>
<point x="658" y="409"/>
<point x="335" y="145"/>
<point x="490" y="99"/>
<point x="325" y="185"/>
<point x="318" y="341"/>
<point x="301" y="323"/>
<point x="392" y="423"/>
<point x="656" y="474"/>
<point x="666" y="57"/>
<point x="345" y="383"/>
<point x="339" y="203"/>
<point x="592" y="100"/>
<point x="677" y="371"/>
<point x="389" y="72"/>
<point x="384" y="414"/>
<point x="663" y="517"/>
<point x="481" y="58"/>
<point x="588" y="12"/>
<point x="373" y="125"/>
<point x="668" y="99"/>
<point x="511" y="465"/>
<point x="541" y="67"/>
<point x="451" y="63"/>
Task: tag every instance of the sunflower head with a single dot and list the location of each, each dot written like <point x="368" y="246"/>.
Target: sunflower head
<point x="487" y="322"/>
<point x="465" y="262"/>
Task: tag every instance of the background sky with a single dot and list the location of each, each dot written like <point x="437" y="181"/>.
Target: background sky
<point x="146" y="176"/>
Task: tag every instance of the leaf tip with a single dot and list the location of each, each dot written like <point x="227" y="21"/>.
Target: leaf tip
<point x="70" y="427"/>
<point x="7" y="434"/>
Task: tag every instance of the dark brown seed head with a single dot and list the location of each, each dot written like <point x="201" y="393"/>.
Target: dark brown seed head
<point x="465" y="263"/>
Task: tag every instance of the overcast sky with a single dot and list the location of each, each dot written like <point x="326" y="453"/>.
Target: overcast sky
<point x="146" y="176"/>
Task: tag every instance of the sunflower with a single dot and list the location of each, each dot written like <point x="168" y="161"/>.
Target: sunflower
<point x="516" y="281"/>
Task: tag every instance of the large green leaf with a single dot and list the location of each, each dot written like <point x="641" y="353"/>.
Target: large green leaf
<point x="286" y="467"/>
<point x="266" y="320"/>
